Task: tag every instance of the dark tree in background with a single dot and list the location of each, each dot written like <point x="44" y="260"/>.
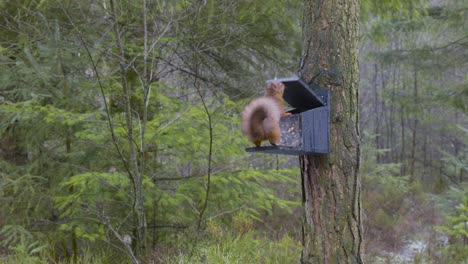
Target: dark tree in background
<point x="331" y="183"/>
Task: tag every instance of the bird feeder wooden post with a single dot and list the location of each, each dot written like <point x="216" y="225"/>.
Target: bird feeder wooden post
<point x="307" y="130"/>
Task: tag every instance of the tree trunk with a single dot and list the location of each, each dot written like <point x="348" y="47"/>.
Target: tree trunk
<point x="133" y="168"/>
<point x="376" y="112"/>
<point x="415" y="126"/>
<point x="391" y="118"/>
<point x="403" y="149"/>
<point x="381" y="115"/>
<point x="331" y="183"/>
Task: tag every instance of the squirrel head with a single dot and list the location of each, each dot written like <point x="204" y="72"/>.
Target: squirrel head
<point x="275" y="89"/>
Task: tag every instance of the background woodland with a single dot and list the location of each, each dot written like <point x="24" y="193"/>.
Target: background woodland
<point x="120" y="136"/>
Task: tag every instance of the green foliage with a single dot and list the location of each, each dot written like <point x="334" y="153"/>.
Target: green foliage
<point x="257" y="45"/>
<point x="458" y="222"/>
<point x="248" y="248"/>
<point x="91" y="198"/>
<point x="456" y="165"/>
<point x="389" y="9"/>
<point x="88" y="256"/>
<point x="385" y="195"/>
<point x="456" y="225"/>
<point x="22" y="243"/>
<point x="384" y="199"/>
<point x="96" y="97"/>
<point x="381" y="17"/>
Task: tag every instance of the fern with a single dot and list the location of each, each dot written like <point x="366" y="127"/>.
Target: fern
<point x="21" y="241"/>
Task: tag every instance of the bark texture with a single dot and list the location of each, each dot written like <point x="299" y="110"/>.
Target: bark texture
<point x="331" y="183"/>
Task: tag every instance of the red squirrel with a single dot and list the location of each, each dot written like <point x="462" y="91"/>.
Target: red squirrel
<point x="260" y="118"/>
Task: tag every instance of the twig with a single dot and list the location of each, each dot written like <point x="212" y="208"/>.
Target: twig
<point x="210" y="153"/>
<point x="103" y="95"/>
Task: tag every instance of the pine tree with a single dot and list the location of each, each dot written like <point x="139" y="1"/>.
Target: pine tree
<point x="331" y="183"/>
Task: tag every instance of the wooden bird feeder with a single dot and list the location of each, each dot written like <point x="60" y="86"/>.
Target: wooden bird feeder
<point x="307" y="130"/>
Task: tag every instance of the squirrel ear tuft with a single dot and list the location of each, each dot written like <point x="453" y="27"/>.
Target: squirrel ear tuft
<point x="281" y="85"/>
<point x="278" y="86"/>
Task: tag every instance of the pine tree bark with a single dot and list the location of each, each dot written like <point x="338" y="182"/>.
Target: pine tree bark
<point x="331" y="183"/>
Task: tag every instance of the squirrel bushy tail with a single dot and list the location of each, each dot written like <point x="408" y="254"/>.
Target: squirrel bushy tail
<point x="260" y="119"/>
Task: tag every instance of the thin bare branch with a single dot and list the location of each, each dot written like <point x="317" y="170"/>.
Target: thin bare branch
<point x="103" y="95"/>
